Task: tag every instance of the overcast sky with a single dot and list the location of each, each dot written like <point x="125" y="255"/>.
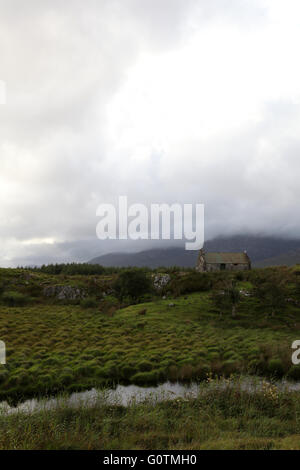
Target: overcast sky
<point x="160" y="100"/>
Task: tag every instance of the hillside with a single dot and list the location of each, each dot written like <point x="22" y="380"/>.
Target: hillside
<point x="151" y="258"/>
<point x="285" y="259"/>
<point x="263" y="251"/>
<point x="68" y="333"/>
<point x="83" y="332"/>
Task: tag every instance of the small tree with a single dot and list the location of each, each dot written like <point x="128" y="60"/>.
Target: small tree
<point x="271" y="293"/>
<point x="132" y="283"/>
<point x="233" y="295"/>
<point x="226" y="296"/>
<point x="218" y="298"/>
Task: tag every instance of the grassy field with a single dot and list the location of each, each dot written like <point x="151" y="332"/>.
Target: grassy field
<point x="216" y="419"/>
<point x="187" y="331"/>
<point x="55" y="346"/>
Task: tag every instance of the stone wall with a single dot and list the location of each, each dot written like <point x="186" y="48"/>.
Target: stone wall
<point x="201" y="264"/>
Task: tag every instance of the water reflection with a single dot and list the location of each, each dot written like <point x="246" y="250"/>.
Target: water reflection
<point x="131" y="394"/>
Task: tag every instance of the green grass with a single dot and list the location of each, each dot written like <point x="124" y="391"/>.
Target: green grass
<point x="53" y="347"/>
<point x="216" y="419"/>
<point x="63" y="346"/>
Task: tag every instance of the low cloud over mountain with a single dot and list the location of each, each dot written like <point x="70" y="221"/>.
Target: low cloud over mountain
<point x="162" y="101"/>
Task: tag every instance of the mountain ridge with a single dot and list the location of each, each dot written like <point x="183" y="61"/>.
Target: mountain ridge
<point x="263" y="251"/>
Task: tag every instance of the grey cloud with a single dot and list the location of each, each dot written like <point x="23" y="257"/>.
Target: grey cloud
<point x="63" y="64"/>
<point x="247" y="189"/>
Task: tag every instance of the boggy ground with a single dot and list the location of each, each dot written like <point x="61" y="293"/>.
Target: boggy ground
<point x="57" y="346"/>
<point x="226" y="418"/>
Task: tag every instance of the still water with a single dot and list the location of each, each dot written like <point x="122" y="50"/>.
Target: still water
<point x="128" y="395"/>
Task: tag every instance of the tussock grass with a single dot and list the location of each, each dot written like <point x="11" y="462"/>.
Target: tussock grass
<point x="53" y="347"/>
<point x="218" y="418"/>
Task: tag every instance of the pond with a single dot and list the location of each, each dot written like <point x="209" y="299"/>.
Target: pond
<point x="128" y="395"/>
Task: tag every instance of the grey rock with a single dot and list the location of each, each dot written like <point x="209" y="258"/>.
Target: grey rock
<point x="161" y="280"/>
<point x="64" y="292"/>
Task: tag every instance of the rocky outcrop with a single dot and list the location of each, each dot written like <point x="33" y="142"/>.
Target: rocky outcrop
<point x="64" y="292"/>
<point x="161" y="280"/>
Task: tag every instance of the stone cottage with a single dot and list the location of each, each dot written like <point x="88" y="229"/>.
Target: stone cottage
<point x="222" y="261"/>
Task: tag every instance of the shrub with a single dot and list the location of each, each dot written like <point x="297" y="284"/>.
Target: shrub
<point x="271" y="293"/>
<point x="192" y="282"/>
<point x="132" y="283"/>
<point x="34" y="290"/>
<point x="14" y="299"/>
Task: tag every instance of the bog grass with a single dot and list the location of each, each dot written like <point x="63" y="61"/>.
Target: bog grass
<point x="218" y="418"/>
<point x="53" y="347"/>
<point x="180" y="334"/>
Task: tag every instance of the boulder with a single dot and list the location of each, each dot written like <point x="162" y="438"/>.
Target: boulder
<point x="161" y="280"/>
<point x="64" y="292"/>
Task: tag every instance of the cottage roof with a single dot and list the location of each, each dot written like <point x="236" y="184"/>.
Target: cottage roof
<point x="226" y="258"/>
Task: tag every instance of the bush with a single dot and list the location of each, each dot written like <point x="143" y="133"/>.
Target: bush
<point x="14" y="299"/>
<point x="34" y="290"/>
<point x="192" y="282"/>
<point x="132" y="283"/>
